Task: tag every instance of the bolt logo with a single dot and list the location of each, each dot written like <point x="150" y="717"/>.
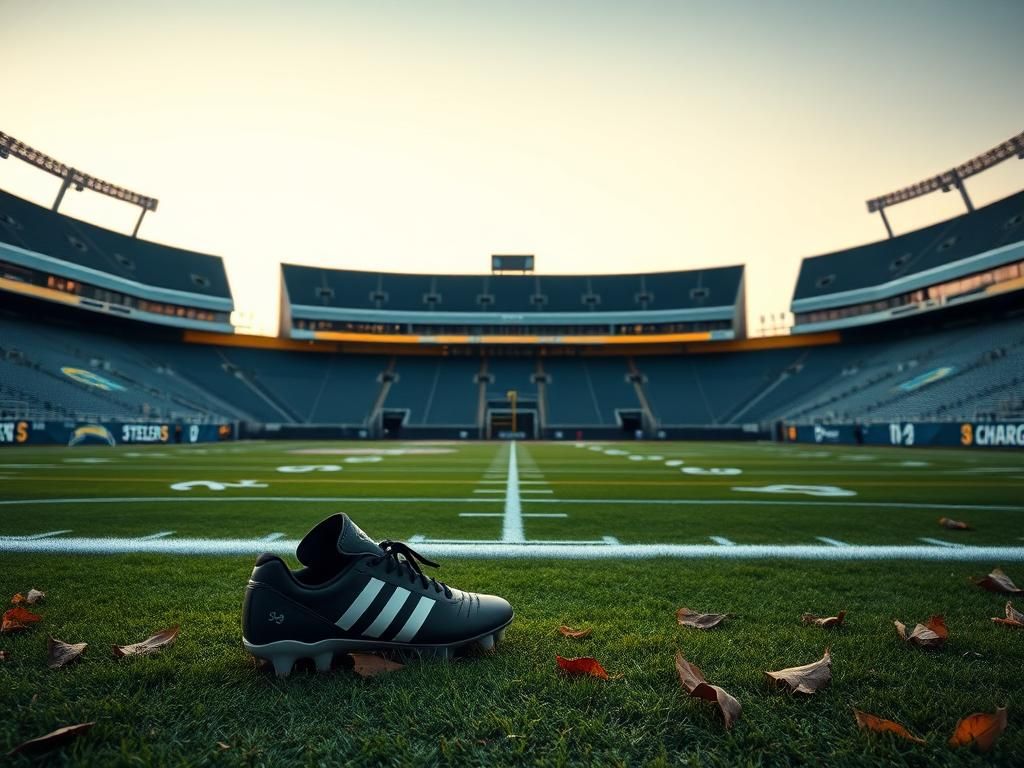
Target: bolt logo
<point x="91" y="379"/>
<point x="95" y="431"/>
<point x="13" y="432"/>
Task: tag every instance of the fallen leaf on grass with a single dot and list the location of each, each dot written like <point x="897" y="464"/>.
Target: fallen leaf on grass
<point x="1014" y="618"/>
<point x="149" y="646"/>
<point x="826" y="622"/>
<point x="575" y="634"/>
<point x="61" y="654"/>
<point x="807" y="678"/>
<point x="931" y="634"/>
<point x="18" y="599"/>
<point x="3" y="655"/>
<point x="18" y="618"/>
<point x="997" y="581"/>
<point x="584" y="665"/>
<point x="371" y="665"/>
<point x="953" y="525"/>
<point x="694" y="683"/>
<point x="51" y="739"/>
<point x="34" y="596"/>
<point x="688" y="618"/>
<point x="979" y="730"/>
<point x="879" y="725"/>
<point x="223" y="746"/>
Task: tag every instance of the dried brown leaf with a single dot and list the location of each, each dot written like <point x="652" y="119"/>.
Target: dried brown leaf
<point x="953" y="525"/>
<point x="584" y="665"/>
<point x="150" y="645"/>
<point x="223" y="746"/>
<point x="880" y="725"/>
<point x="371" y="665"/>
<point x="688" y="618"/>
<point x="17" y="619"/>
<point x="52" y="739"/>
<point x="18" y="599"/>
<point x="979" y="730"/>
<point x="60" y="654"/>
<point x="34" y="596"/>
<point x="807" y="678"/>
<point x="575" y="634"/>
<point x="1014" y="618"/>
<point x="997" y="581"/>
<point x="932" y="634"/>
<point x="693" y="682"/>
<point x="4" y="656"/>
<point x="826" y="622"/>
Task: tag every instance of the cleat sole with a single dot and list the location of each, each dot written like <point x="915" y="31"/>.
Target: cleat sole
<point x="283" y="654"/>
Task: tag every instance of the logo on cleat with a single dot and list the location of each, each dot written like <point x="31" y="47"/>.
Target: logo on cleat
<point x="276" y="618"/>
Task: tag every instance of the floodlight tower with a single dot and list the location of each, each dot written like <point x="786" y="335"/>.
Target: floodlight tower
<point x="71" y="177"/>
<point x="952" y="179"/>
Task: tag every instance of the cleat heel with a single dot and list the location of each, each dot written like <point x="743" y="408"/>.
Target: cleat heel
<point x="323" y="661"/>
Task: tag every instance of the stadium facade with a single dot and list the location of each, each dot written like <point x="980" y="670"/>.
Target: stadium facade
<point x="915" y="339"/>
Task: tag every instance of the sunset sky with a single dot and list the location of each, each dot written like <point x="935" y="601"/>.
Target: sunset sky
<point x="424" y="136"/>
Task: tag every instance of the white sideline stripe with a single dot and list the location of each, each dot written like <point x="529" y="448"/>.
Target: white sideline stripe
<point x="489" y="490"/>
<point x="159" y="535"/>
<point x="388" y="612"/>
<point x="531" y="549"/>
<point x="273" y="536"/>
<point x="35" y="536"/>
<point x="832" y="542"/>
<point x="941" y="543"/>
<point x="502" y="514"/>
<point x="721" y="540"/>
<point x="512" y="526"/>
<point x="536" y="490"/>
<point x="415" y="621"/>
<point x="470" y="500"/>
<point x="360" y="604"/>
<point x="521" y="482"/>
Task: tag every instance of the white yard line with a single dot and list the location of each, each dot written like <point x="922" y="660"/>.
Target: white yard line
<point x="502" y="514"/>
<point x="722" y="541"/>
<point x="512" y="525"/>
<point x="35" y="536"/>
<point x="183" y="500"/>
<point x="273" y="536"/>
<point x="553" y="550"/>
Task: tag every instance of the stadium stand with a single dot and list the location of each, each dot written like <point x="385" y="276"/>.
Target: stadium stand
<point x="350" y="289"/>
<point x="39" y="230"/>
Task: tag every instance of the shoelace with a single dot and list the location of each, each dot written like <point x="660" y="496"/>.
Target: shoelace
<point x="400" y="555"/>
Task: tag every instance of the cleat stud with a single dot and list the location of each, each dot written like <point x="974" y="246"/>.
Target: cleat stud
<point x="283" y="665"/>
<point x="486" y="642"/>
<point x="500" y="635"/>
<point x="323" y="661"/>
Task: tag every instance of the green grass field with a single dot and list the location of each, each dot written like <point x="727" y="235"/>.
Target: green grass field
<point x="629" y="533"/>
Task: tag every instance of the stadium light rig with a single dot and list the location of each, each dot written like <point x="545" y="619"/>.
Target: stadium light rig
<point x="951" y="179"/>
<point x="72" y="177"/>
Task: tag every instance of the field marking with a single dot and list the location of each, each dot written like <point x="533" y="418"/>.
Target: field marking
<point x="159" y="535"/>
<point x="273" y="536"/>
<point x="552" y="550"/>
<point x="832" y="542"/>
<point x="521" y="482"/>
<point x="722" y="541"/>
<point x="940" y="542"/>
<point x="470" y="500"/>
<point x="524" y="514"/>
<point x="36" y="536"/>
<point x="512" y="525"/>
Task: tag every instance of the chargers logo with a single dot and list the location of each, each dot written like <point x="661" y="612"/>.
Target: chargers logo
<point x="94" y="431"/>
<point x="91" y="379"/>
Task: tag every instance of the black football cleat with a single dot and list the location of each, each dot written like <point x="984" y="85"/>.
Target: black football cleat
<point x="356" y="595"/>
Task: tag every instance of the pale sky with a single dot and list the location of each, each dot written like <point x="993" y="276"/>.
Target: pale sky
<point x="424" y="136"/>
